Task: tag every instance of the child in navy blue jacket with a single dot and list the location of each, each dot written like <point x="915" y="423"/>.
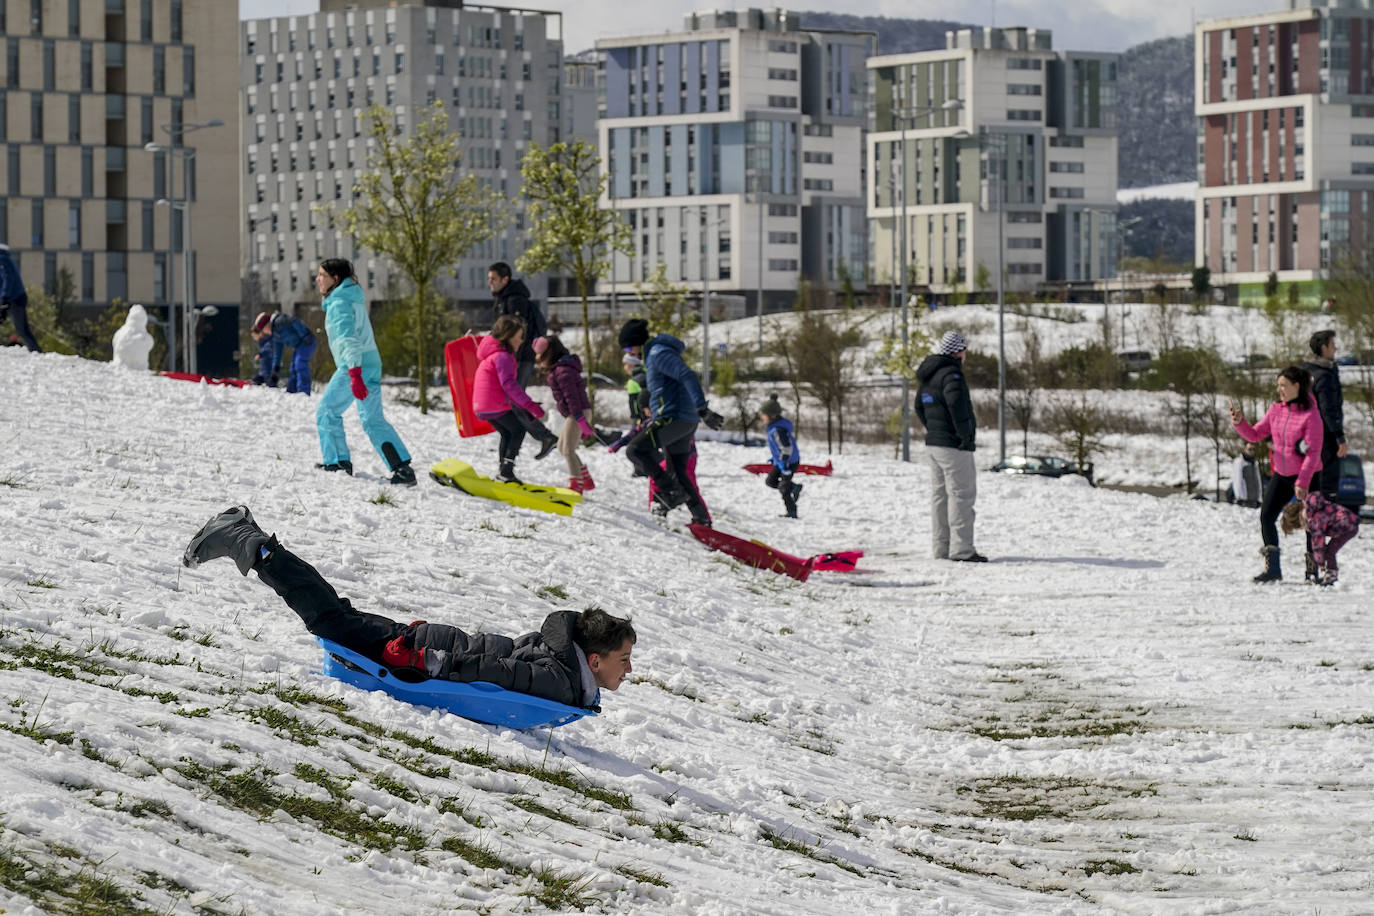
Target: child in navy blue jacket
<point x="786" y="455"/>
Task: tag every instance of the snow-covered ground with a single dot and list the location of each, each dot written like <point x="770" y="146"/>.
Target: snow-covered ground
<point x="1108" y="717"/>
<point x="1181" y="190"/>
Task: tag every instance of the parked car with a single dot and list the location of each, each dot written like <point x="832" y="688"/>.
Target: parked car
<point x="1040" y="465"/>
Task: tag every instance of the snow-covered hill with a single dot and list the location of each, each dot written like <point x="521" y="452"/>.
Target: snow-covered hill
<point x="1108" y="717"/>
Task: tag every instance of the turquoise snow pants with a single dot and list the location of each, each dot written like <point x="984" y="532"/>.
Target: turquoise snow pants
<point x="337" y="397"/>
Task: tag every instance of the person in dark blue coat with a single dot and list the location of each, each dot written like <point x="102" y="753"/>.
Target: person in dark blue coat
<point x="785" y="454"/>
<point x="678" y="405"/>
<point x="14" y="301"/>
<point x="274" y="334"/>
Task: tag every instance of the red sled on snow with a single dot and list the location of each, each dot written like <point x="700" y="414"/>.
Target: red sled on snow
<point x="839" y="561"/>
<point x="460" y="358"/>
<point x="754" y="553"/>
<point x="819" y="470"/>
<point x="193" y="377"/>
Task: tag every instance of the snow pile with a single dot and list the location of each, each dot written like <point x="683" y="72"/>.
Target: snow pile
<point x="1108" y="716"/>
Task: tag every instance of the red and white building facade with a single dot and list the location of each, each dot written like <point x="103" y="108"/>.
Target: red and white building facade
<point x="1285" y="105"/>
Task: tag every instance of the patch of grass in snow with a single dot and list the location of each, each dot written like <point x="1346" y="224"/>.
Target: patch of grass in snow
<point x="41" y="582"/>
<point x="478" y="854"/>
<point x="951" y="864"/>
<point x="297" y="696"/>
<point x="279" y="721"/>
<point x="474" y="757"/>
<point x="1109" y="867"/>
<point x="182" y="633"/>
<point x="684" y="692"/>
<point x="786" y="844"/>
<point x="563" y="890"/>
<point x="552" y="591"/>
<point x="636" y="874"/>
<point x="1023" y="798"/>
<point x="60" y="889"/>
<point x="383" y="498"/>
<point x="394" y="787"/>
<point x="1247" y="835"/>
<point x="56" y="661"/>
<point x="252" y="791"/>
<point x="534" y="806"/>
<point x="29" y="728"/>
<point x="11" y="481"/>
<point x="816" y="741"/>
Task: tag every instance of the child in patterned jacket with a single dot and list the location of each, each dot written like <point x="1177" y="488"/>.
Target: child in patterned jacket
<point x="1331" y="526"/>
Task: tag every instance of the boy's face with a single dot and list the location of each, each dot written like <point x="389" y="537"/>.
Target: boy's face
<point x="611" y="669"/>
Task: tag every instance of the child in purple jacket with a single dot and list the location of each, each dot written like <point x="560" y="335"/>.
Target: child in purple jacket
<point x="563" y="371"/>
<point x="498" y="398"/>
<point x="1330" y="525"/>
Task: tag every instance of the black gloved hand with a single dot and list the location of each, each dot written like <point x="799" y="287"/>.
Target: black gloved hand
<point x="711" y="418"/>
<point x="4" y="311"/>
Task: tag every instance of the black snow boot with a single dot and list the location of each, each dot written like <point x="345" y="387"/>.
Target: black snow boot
<point x="233" y="534"/>
<point x="1271" y="571"/>
<point x="550" y="442"/>
<point x="507" y="473"/>
<point x="345" y="466"/>
<point x="403" y="475"/>
<point x="789" y="498"/>
<point x="699" y="514"/>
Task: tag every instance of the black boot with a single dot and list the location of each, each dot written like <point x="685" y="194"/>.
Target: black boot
<point x="1271" y="571"/>
<point x="345" y="466"/>
<point x="233" y="534"/>
<point x="403" y="475"/>
<point x="507" y="473"/>
<point x="550" y="443"/>
<point x="790" y="492"/>
<point x="699" y="514"/>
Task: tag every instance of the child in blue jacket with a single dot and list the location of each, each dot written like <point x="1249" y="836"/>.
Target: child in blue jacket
<point x="274" y="334"/>
<point x="786" y="455"/>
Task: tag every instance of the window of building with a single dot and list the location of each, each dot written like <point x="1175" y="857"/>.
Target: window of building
<point x="12" y="169"/>
<point x="1023" y="89"/>
<point x="88" y="172"/>
<point x="176" y="20"/>
<point x="1015" y="216"/>
<point x="782" y="73"/>
<point x="160" y="70"/>
<point x="88" y="276"/>
<point x="782" y="238"/>
<point x="782" y="209"/>
<point x="74" y="120"/>
<point x="1066" y="193"/>
<point x="819" y="130"/>
<point x="774" y="101"/>
<point x="1023" y="114"/>
<point x="36" y="221"/>
<point x="782" y="264"/>
<point x="1023" y="63"/>
<point x="818" y="184"/>
<point x="36" y="17"/>
<point x="1362" y="168"/>
<point x="49" y="65"/>
<point x="782" y="47"/>
<point x="87" y="66"/>
<point x="1067" y="142"/>
<point x="36" y="117"/>
<point x="818" y="157"/>
<point x="73" y="19"/>
<point x="1072" y="167"/>
<point x="50" y="171"/>
<point x="1025" y="243"/>
<point x="147" y="225"/>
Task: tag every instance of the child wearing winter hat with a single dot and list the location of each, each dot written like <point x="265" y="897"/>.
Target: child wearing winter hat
<point x="786" y="455"/>
<point x="636" y="387"/>
<point x="563" y="371"/>
<point x="1330" y="525"/>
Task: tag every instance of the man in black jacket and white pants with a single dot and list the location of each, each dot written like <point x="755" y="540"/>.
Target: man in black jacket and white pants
<point x="945" y="407"/>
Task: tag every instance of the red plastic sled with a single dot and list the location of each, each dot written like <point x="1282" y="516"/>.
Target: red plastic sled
<point x="752" y="552"/>
<point x="820" y="470"/>
<point x="839" y="561"/>
<point x="193" y="377"/>
<point x="460" y="358"/>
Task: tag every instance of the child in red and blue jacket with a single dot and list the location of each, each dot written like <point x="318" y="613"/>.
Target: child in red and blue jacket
<point x="1330" y="525"/>
<point x="786" y="454"/>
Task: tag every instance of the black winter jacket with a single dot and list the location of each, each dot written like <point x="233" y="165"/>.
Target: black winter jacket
<point x="943" y="403"/>
<point x="514" y="299"/>
<point x="1326" y="388"/>
<point x="543" y="664"/>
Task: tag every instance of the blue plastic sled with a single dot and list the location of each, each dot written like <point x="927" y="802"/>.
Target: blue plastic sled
<point x="479" y="700"/>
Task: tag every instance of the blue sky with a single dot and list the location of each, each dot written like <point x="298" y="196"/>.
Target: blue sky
<point x="1089" y="25"/>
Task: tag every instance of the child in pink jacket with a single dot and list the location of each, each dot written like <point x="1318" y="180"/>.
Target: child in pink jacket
<point x="1330" y="525"/>
<point x="1295" y="426"/>
<point x="498" y="398"/>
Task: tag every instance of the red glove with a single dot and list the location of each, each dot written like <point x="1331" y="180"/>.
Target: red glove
<point x="355" y="380"/>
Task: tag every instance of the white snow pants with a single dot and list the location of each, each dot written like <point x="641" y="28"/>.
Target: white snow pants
<point x="953" y="488"/>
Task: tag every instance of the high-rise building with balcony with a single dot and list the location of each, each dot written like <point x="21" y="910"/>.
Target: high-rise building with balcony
<point x="995" y="150"/>
<point x="735" y="152"/>
<point x="88" y="84"/>
<point x="305" y="81"/>
<point x="1285" y="105"/>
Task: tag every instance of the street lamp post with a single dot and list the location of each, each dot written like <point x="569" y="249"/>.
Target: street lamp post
<point x="1123" y="230"/>
<point x="190" y="313"/>
<point x="907" y="117"/>
<point x="997" y="143"/>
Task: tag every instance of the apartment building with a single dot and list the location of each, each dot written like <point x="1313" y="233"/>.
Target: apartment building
<point x="306" y="79"/>
<point x="734" y="151"/>
<point x="88" y="84"/>
<point x="1285" y="140"/>
<point x="997" y="149"/>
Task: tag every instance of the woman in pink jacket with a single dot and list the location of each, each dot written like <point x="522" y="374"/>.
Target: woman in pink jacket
<point x="498" y="398"/>
<point x="1295" y="426"/>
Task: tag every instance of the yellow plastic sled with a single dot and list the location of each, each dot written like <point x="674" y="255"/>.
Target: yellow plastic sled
<point x="459" y="474"/>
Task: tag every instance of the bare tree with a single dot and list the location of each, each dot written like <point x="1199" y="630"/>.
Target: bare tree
<point x="1079" y="426"/>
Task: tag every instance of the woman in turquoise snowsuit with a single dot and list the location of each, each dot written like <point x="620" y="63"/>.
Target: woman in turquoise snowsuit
<point x="357" y="376"/>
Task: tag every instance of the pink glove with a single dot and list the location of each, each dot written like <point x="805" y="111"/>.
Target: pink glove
<point x="355" y="380"/>
<point x="537" y="412"/>
<point x="585" y="427"/>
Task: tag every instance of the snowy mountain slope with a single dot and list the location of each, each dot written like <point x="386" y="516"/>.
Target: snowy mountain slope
<point x="1108" y="717"/>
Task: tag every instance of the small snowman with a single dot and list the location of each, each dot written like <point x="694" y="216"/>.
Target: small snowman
<point x="132" y="342"/>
